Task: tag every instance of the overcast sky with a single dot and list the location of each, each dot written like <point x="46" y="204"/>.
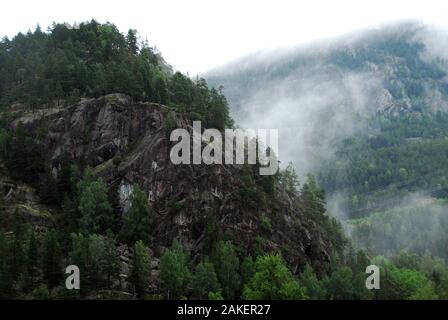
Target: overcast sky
<point x="197" y="35"/>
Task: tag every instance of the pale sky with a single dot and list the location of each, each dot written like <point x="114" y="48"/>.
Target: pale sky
<point x="196" y="35"/>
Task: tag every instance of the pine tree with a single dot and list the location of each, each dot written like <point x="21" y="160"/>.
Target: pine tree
<point x="272" y="281"/>
<point x="137" y="223"/>
<point x="141" y="271"/>
<point x="111" y="268"/>
<point x="17" y="253"/>
<point x="31" y="261"/>
<point x="6" y="281"/>
<point x="247" y="269"/>
<point x="227" y="265"/>
<point x="94" y="207"/>
<point x="174" y="272"/>
<point x="313" y="198"/>
<point x="314" y="289"/>
<point x="160" y="88"/>
<point x="131" y="40"/>
<point x="68" y="218"/>
<point x="51" y="259"/>
<point x="204" y="280"/>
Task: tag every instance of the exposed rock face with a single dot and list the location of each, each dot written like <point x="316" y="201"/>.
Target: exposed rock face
<point x="128" y="143"/>
<point x="22" y="199"/>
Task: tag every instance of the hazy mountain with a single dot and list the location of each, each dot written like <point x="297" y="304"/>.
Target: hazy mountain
<point x="323" y="92"/>
<point x="367" y="113"/>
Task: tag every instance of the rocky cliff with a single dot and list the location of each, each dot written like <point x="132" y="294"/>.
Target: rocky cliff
<point x="127" y="143"/>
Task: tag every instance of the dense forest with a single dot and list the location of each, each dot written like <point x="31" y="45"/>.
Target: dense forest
<point x="47" y="69"/>
<point x="395" y="156"/>
<point x="56" y="69"/>
<point x="367" y="114"/>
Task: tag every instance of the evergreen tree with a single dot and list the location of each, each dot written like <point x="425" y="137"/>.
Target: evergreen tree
<point x="340" y="285"/>
<point x="204" y="280"/>
<point x="174" y="273"/>
<point x="288" y="180"/>
<point x="141" y="271"/>
<point x="6" y="281"/>
<point x="69" y="216"/>
<point x="91" y="254"/>
<point x="227" y="265"/>
<point x="247" y="270"/>
<point x="94" y="207"/>
<point x="31" y="261"/>
<point x="131" y="40"/>
<point x="313" y="198"/>
<point x="137" y="223"/>
<point x="314" y="288"/>
<point x="272" y="281"/>
<point x="111" y="267"/>
<point x="160" y="89"/>
<point x="51" y="259"/>
<point x="17" y="253"/>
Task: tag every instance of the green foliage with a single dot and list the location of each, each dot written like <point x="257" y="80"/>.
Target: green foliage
<point x="272" y="281"/>
<point x="41" y="293"/>
<point x="97" y="259"/>
<point x="419" y="226"/>
<point x="32" y="259"/>
<point x="288" y="180"/>
<point x="174" y="272"/>
<point x="111" y="267"/>
<point x="226" y="264"/>
<point x="247" y="270"/>
<point x="215" y="296"/>
<point x="17" y="251"/>
<point x="340" y="285"/>
<point x="69" y="216"/>
<point x="94" y="207"/>
<point x="313" y="198"/>
<point x="314" y="289"/>
<point x="204" y="280"/>
<point x="211" y="234"/>
<point x="141" y="269"/>
<point x="23" y="156"/>
<point x="137" y="221"/>
<point x="265" y="223"/>
<point x="402" y="283"/>
<point x="395" y="156"/>
<point x="51" y="259"/>
<point x="59" y="67"/>
<point x="6" y="281"/>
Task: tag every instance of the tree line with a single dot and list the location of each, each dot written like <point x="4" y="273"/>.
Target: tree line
<point x="58" y="67"/>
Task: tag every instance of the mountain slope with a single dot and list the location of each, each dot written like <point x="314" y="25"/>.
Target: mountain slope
<point x="86" y="179"/>
<point x="366" y="113"/>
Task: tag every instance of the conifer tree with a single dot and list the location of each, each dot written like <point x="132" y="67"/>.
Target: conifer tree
<point x="6" y="281"/>
<point x="204" y="280"/>
<point x="226" y="264"/>
<point x="140" y="273"/>
<point x="174" y="272"/>
<point x="51" y="259"/>
<point x="31" y="261"/>
<point x="137" y="223"/>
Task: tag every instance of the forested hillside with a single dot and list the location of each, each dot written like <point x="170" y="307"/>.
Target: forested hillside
<point x="367" y="114"/>
<point x="45" y="69"/>
<point x="86" y="180"/>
